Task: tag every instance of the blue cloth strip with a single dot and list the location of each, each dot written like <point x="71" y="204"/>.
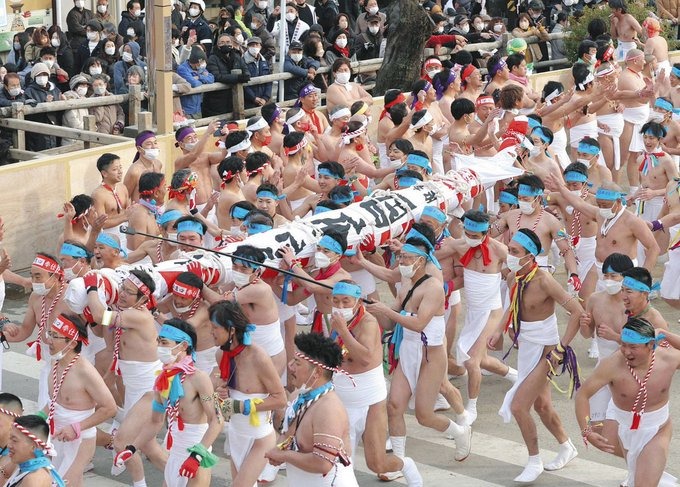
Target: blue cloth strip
<point x="190" y="226"/>
<point x="339" y="198"/>
<point x="247" y="334"/>
<point x="244" y="263"/>
<point x="542" y="135"/>
<point x="255" y="228"/>
<point x="434" y="212"/>
<point x="526" y="190"/>
<point x="663" y="104"/>
<point x="239" y="213"/>
<point x="407" y="181"/>
<point x="346" y="289"/>
<point x="321" y="209"/>
<point x="675" y="72"/>
<point x="632" y="336"/>
<point x="607" y="195"/>
<point x="331" y="244"/>
<point x="176" y="335"/>
<point x="588" y="149"/>
<point x="636" y="285"/>
<point x="525" y="242"/>
<point x="508" y="198"/>
<point x="575" y="177"/>
<point x="109" y="241"/>
<point x="413" y="233"/>
<point x="473" y="226"/>
<point x="533" y="123"/>
<point x="412" y="249"/>
<point x="169" y="216"/>
<point x="269" y="195"/>
<point x="420" y="161"/>
<point x="73" y="251"/>
<point x="325" y="172"/>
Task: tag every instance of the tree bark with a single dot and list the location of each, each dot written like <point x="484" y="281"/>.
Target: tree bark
<point x="410" y="28"/>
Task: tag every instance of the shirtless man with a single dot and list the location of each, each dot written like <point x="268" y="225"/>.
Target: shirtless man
<point x="259" y="170"/>
<point x="309" y="101"/>
<point x="142" y="217"/>
<point x="517" y="67"/>
<point x="461" y="140"/>
<point x="186" y="303"/>
<point x="358" y="334"/>
<point x="194" y="158"/>
<point x="663" y="113"/>
<point x="644" y="438"/>
<point x="534" y="294"/>
<point x="484" y="106"/>
<point x="330" y="173"/>
<point x="147" y="159"/>
<point x="28" y="448"/>
<point x="330" y="143"/>
<point x="421" y="371"/>
<point x="250" y="389"/>
<point x="258" y="302"/>
<point x="273" y="204"/>
<point x="438" y="131"/>
<point x="318" y="450"/>
<point x="624" y="28"/>
<point x="667" y="230"/>
<point x="10" y="409"/>
<point x="80" y="400"/>
<point x="272" y="115"/>
<point x="261" y="138"/>
<point x="232" y="172"/>
<point x="471" y="83"/>
<point x="540" y="163"/>
<point x="107" y="252"/>
<point x="131" y="331"/>
<point x="44" y="305"/>
<point x="498" y="72"/>
<point x="481" y="258"/>
<point x="77" y="215"/>
<point x="588" y="99"/>
<point x="610" y="121"/>
<point x="531" y="215"/>
<point x="618" y="230"/>
<point x="588" y="153"/>
<point x="391" y="128"/>
<point x="111" y="198"/>
<point x="657" y="45"/>
<point x="159" y="250"/>
<point x="657" y="169"/>
<point x="329" y="251"/>
<point x="420" y="129"/>
<point x="193" y="422"/>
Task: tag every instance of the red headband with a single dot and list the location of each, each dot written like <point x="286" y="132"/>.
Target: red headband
<point x="46" y="263"/>
<point x="68" y="329"/>
<point x="184" y="290"/>
<point x="484" y="100"/>
<point x="399" y="99"/>
<point x="143" y="288"/>
<point x="296" y="148"/>
<point x="467" y="72"/>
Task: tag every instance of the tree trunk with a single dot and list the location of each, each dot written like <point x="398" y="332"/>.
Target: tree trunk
<point x="410" y="27"/>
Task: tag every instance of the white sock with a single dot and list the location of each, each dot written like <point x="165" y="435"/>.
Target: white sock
<point x="398" y="445"/>
<point x="472" y="404"/>
<point x="534" y="460"/>
<point x="511" y="374"/>
<point x="139" y="483"/>
<point x="454" y="429"/>
<point x="411" y="473"/>
<point x="462" y="418"/>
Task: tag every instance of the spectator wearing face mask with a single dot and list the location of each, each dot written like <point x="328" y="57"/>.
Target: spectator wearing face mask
<point x="74" y="118"/>
<point x="65" y="56"/>
<point x="339" y="48"/>
<point x="17" y="54"/>
<point x="48" y="57"/>
<point x="301" y="67"/>
<point x="291" y="24"/>
<point x="42" y="90"/>
<point x="39" y="39"/>
<point x="221" y="63"/>
<point x="559" y="50"/>
<point x="196" y="26"/>
<point x="93" y="47"/>
<point x="257" y="95"/>
<point x="326" y="13"/>
<point x="372" y="9"/>
<point x="195" y="71"/>
<point x="109" y="119"/>
<point x="11" y="90"/>
<point x="258" y="27"/>
<point x="102" y="13"/>
<point x="177" y="14"/>
<point x="129" y="57"/>
<point x="259" y="7"/>
<point x="131" y="26"/>
<point x="76" y="20"/>
<point x="369" y="42"/>
<point x="109" y="57"/>
<point x="564" y="6"/>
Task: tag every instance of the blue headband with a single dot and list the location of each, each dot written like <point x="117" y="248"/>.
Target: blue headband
<point x="664" y="104"/>
<point x="331" y="244"/>
<point x="407" y="181"/>
<point x="508" y="198"/>
<point x="270" y="195"/>
<point x="526" y="190"/>
<point x="255" y="228"/>
<point x="588" y="149"/>
<point x="326" y="172"/>
<point x="247" y="339"/>
<point x="675" y="72"/>
<point x="538" y="130"/>
<point x="321" y="209"/>
<point x="607" y="195"/>
<point x="169" y="216"/>
<point x="341" y="198"/>
<point x="575" y="177"/>
<point x="636" y="338"/>
<point x="473" y="226"/>
<point x="73" y="251"/>
<point x="420" y="161"/>
<point x="412" y="249"/>
<point x="522" y="239"/>
<point x="533" y="123"/>
<point x="434" y="212"/>
<point x="244" y="263"/>
<point x="346" y="289"/>
<point x="109" y="241"/>
<point x="190" y="226"/>
<point x="177" y="335"/>
<point x="413" y="233"/>
<point x="239" y="213"/>
<point x="609" y="270"/>
<point x="635" y="285"/>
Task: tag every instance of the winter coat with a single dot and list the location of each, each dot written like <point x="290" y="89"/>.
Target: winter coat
<point x="34" y="141"/>
<point x="220" y="66"/>
<point x="107" y="116"/>
<point x="191" y="104"/>
<point x="256" y="67"/>
<point x="299" y="71"/>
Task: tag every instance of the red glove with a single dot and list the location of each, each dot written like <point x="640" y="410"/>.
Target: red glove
<point x="123" y="456"/>
<point x="190" y="467"/>
<point x="367" y="243"/>
<point x="574" y="283"/>
<point x="91" y="279"/>
<point x="195" y="268"/>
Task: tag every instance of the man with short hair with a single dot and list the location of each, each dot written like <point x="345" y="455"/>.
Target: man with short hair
<point x="143" y="215"/>
<point x="147" y="159"/>
<point x="108" y="252"/>
<point x="29" y="449"/>
<point x="111" y="197"/>
<point x="624" y="28"/>
<point x="11" y="408"/>
<point x="221" y="63"/>
<point x="195" y="71"/>
<point x="76" y="20"/>
<point x="257" y="95"/>
<point x="533" y="296"/>
<point x="196" y="27"/>
<point x="303" y="68"/>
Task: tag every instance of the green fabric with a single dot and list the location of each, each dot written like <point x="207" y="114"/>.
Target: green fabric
<point x="42" y="414"/>
<point x="208" y="459"/>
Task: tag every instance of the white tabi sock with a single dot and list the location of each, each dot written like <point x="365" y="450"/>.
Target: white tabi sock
<point x="511" y="375"/>
<point x="411" y="473"/>
<point x="453" y="430"/>
<point x="398" y="445"/>
<point x="139" y="483"/>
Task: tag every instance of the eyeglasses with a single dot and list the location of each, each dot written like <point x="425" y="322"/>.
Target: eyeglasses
<point x="55" y="336"/>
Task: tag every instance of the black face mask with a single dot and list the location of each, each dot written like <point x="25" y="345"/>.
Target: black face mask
<point x="226" y="50"/>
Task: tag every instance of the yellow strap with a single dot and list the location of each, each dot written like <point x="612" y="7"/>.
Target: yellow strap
<point x="254" y="418"/>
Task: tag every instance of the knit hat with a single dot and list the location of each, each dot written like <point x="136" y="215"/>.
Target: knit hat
<point x="76" y="80"/>
<point x="39" y="68"/>
<point x="197" y="55"/>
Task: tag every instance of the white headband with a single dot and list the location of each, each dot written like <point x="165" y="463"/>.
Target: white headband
<point x="343" y="112"/>
<point x="347" y="138"/>
<point x="588" y="79"/>
<point x="260" y="124"/>
<point x="552" y="96"/>
<point x="245" y="144"/>
<point x="427" y="118"/>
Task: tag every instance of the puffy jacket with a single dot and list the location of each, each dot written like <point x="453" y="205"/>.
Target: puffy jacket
<point x="203" y="33"/>
<point x="74" y="118"/>
<point x="37" y="142"/>
<point x="6" y="99"/>
<point x="107" y="116"/>
<point x="256" y="67"/>
<point x="191" y="104"/>
<point x="220" y="66"/>
<point x="668" y="9"/>
<point x="76" y="20"/>
<point x="121" y="67"/>
<point x="299" y="70"/>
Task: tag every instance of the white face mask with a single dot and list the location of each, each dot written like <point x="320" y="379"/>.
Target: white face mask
<point x="181" y="309"/>
<point x="473" y="242"/>
<point x="342" y="77"/>
<point x="262" y="5"/>
<point x="526" y="207"/>
<point x="152" y="153"/>
<point x="101" y="9"/>
<point x="240" y="279"/>
<point x="607" y="213"/>
<point x="535" y="151"/>
<point x="172" y="236"/>
<point x="131" y="32"/>
<point x="127" y="57"/>
<point x="190" y="145"/>
<point x="49" y="63"/>
<point x="407" y="271"/>
<point x="56" y="43"/>
<point x="478" y="26"/>
<point x="514" y="263"/>
<point x="290" y="16"/>
<point x="42" y="80"/>
<point x="612" y="287"/>
<point x="433" y="72"/>
<point x="254" y="51"/>
<point x="347" y="313"/>
<point x="396" y="163"/>
<point x="110" y="50"/>
<point x="69" y="274"/>
<point x="165" y="354"/>
<point x="40" y="289"/>
<point x="203" y="65"/>
<point x="498" y="28"/>
<point x="14" y="91"/>
<point x="254" y="26"/>
<point x="136" y="13"/>
<point x="81" y="90"/>
<point x="586" y="162"/>
<point x="99" y="90"/>
<point x="322" y="260"/>
<point x="91" y="36"/>
<point x="465" y="29"/>
<point x="576" y="192"/>
<point x="656" y="117"/>
<point x="95" y="70"/>
<point x="60" y="355"/>
<point x="341" y="43"/>
<point x="297" y="57"/>
<point x="80" y="3"/>
<point x="373" y="10"/>
<point x="194" y="12"/>
<point x="374" y="29"/>
<point x="239" y="38"/>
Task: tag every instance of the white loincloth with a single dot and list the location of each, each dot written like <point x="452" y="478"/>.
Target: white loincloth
<point x="2" y="292"/>
<point x="269" y="338"/>
<point x="482" y="295"/>
<point x="637" y="116"/>
<point x="370" y="389"/>
<point x="670" y="284"/>
<point x="411" y="351"/>
<point x="634" y="441"/>
<point x="589" y="129"/>
<point x="454" y="299"/>
<point x="664" y="66"/>
<point x="615" y="123"/>
<point x="649" y="211"/>
<point x="437" y="156"/>
<point x="96" y="344"/>
<point x="382" y="155"/>
<point x="209" y="241"/>
<point x="599" y="402"/>
<point x="585" y="253"/>
<point x="67" y="450"/>
<point x="138" y="378"/>
<point x="205" y="360"/>
<point x="181" y="441"/>
<point x="365" y="280"/>
<point x="295" y="204"/>
<point x="559" y="148"/>
<point x="622" y="48"/>
<point x="339" y="476"/>
<point x="533" y="337"/>
<point x="285" y="311"/>
<point x="242" y="434"/>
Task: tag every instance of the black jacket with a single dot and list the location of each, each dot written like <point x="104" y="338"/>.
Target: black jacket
<point x="34" y="141"/>
<point x="220" y="66"/>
